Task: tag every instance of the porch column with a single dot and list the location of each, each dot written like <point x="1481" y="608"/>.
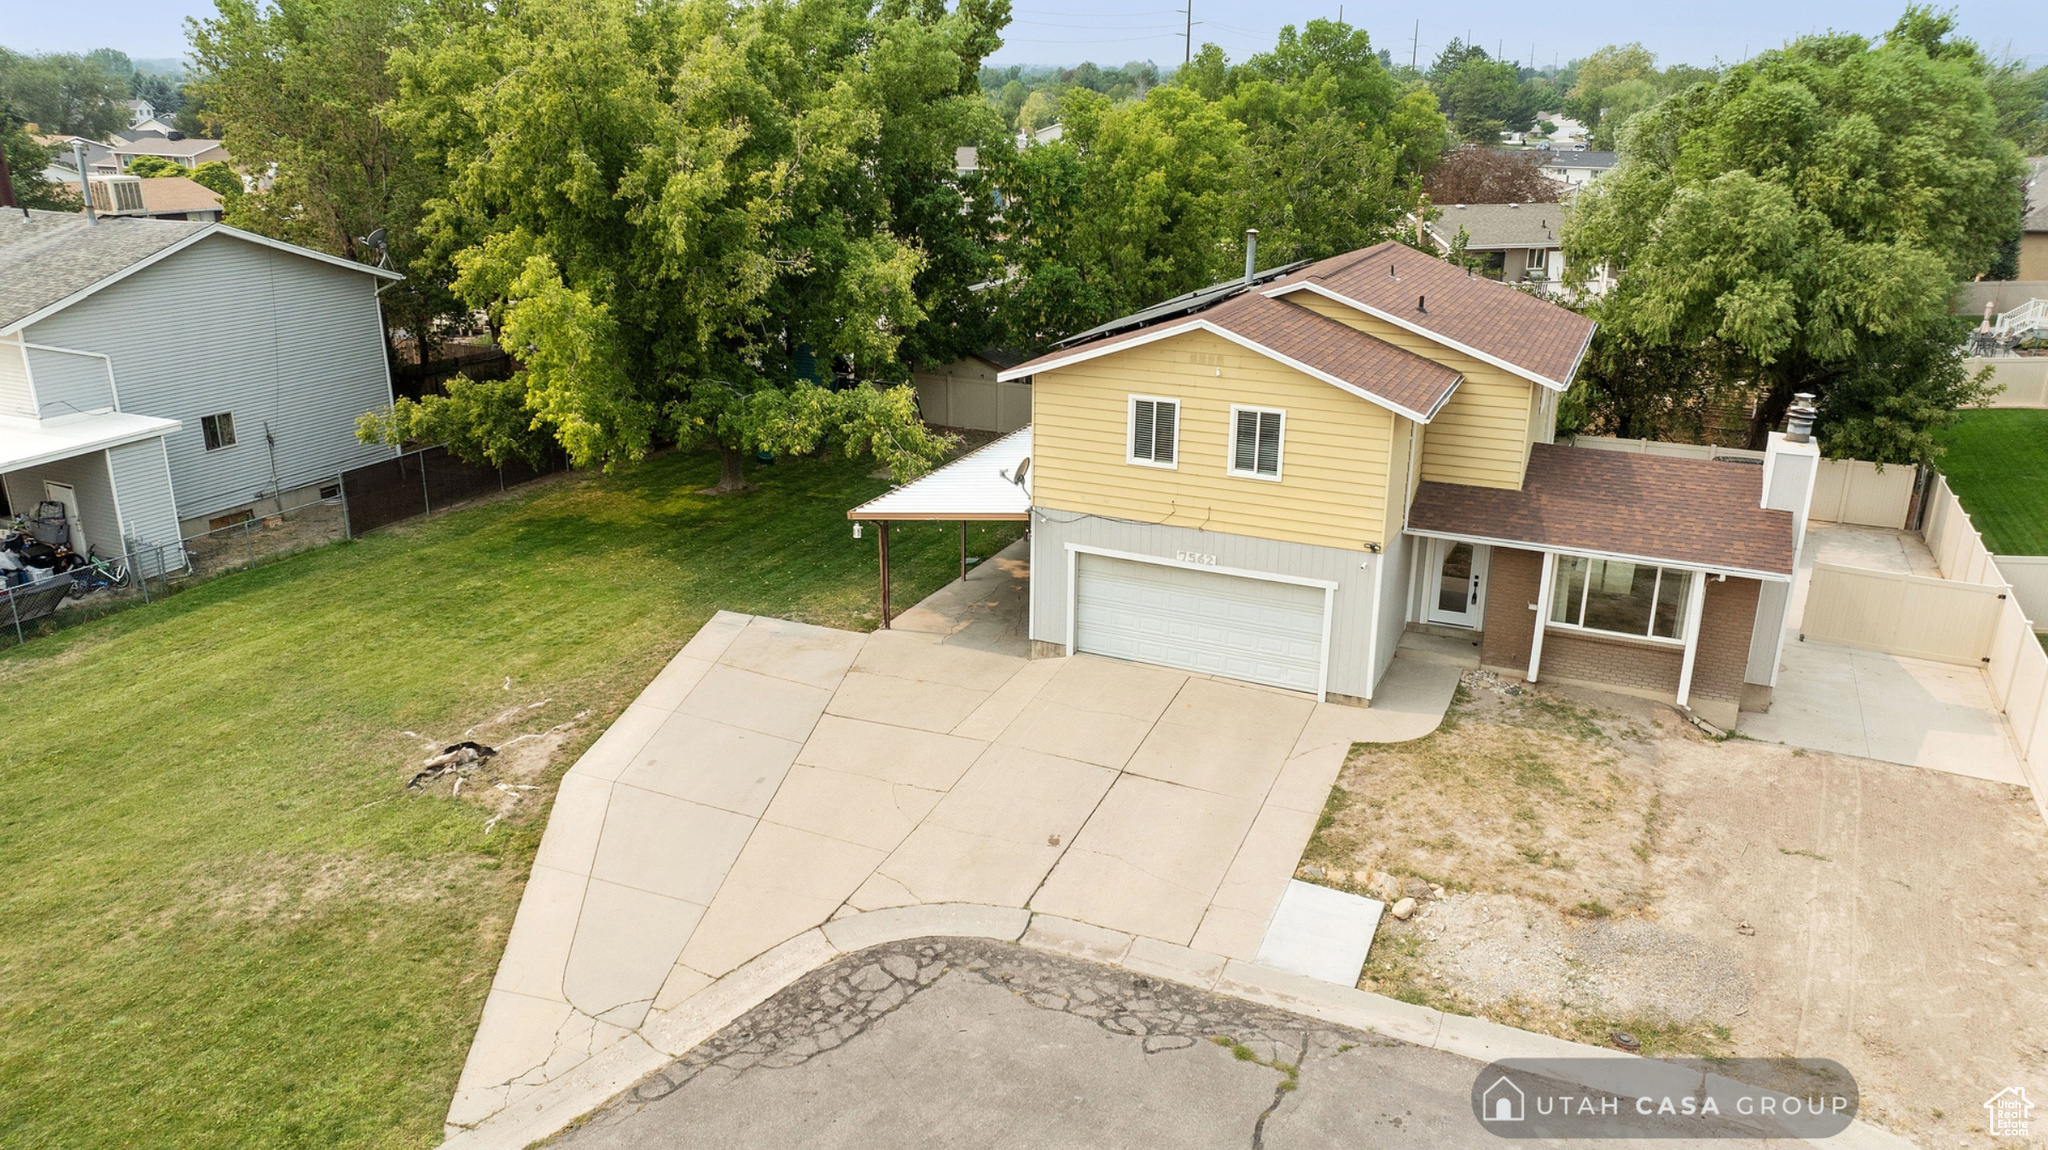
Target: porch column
<point x="1695" y="601"/>
<point x="1542" y="611"/>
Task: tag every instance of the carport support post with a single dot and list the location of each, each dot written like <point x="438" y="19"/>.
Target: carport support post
<point x="963" y="551"/>
<point x="882" y="530"/>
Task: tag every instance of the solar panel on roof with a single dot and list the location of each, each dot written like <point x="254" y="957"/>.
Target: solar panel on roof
<point x="1181" y="304"/>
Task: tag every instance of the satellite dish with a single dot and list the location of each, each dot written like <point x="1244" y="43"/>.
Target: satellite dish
<point x="376" y="242"/>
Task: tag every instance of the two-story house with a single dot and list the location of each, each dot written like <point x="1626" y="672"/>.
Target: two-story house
<point x="1273" y="480"/>
<point x="158" y="377"/>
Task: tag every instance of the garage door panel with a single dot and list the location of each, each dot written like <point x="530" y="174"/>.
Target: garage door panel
<point x="1240" y="628"/>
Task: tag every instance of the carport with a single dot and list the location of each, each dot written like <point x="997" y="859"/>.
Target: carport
<point x="109" y="470"/>
<point x="989" y="484"/>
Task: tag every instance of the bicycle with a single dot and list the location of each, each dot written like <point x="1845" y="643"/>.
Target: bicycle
<point x="97" y="574"/>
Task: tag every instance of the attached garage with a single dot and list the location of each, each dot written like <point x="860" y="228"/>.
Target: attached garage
<point x="1238" y="624"/>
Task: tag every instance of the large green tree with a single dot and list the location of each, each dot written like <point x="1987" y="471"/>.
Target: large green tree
<point x="681" y="214"/>
<point x="1809" y="215"/>
<point x="71" y="95"/>
<point x="1314" y="143"/>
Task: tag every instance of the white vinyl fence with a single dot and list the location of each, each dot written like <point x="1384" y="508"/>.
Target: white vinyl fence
<point x="1912" y="615"/>
<point x="2015" y="661"/>
<point x="2022" y="380"/>
<point x="2029" y="577"/>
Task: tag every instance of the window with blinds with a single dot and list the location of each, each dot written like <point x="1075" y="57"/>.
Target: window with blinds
<point x="1155" y="431"/>
<point x="1255" y="442"/>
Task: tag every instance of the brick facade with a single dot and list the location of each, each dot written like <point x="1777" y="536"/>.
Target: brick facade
<point x="1728" y="617"/>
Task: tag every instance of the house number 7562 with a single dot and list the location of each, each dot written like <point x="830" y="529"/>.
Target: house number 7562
<point x="1195" y="557"/>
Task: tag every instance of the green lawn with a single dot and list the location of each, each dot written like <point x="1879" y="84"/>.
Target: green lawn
<point x="1997" y="464"/>
<point x="223" y="919"/>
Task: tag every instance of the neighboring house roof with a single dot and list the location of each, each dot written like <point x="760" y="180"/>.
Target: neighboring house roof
<point x="169" y="149"/>
<point x="1335" y="353"/>
<point x="1513" y="330"/>
<point x="1496" y="227"/>
<point x="983" y="484"/>
<point x="1565" y="158"/>
<point x="2037" y="196"/>
<point x="1652" y="508"/>
<point x="178" y="194"/>
<point x="49" y="260"/>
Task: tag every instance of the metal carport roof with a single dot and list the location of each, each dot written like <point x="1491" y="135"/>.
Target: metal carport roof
<point x="984" y="484"/>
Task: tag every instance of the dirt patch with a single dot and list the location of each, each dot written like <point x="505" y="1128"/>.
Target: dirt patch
<point x="513" y="776"/>
<point x="1601" y="867"/>
<point x="282" y="888"/>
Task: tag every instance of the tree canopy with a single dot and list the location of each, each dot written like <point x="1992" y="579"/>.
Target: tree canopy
<point x="686" y="216"/>
<point x="1805" y="220"/>
<point x="1314" y="143"/>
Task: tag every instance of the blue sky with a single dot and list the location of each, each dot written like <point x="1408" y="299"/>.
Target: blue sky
<point x="1114" y="31"/>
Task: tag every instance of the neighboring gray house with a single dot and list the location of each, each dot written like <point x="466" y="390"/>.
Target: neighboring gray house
<point x="1513" y="243"/>
<point x="159" y="376"/>
<point x="1574" y="168"/>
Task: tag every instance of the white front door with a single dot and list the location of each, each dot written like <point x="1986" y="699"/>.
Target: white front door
<point x="1241" y="628"/>
<point x="64" y="493"/>
<point x="1457" y="583"/>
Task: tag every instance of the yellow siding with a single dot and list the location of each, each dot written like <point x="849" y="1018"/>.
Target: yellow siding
<point x="1481" y="437"/>
<point x="1334" y="467"/>
<point x="1400" y="436"/>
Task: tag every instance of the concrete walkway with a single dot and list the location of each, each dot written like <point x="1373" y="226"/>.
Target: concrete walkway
<point x="778" y="776"/>
<point x="1914" y="712"/>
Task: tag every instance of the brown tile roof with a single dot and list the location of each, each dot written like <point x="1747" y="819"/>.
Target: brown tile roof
<point x="1374" y="366"/>
<point x="1694" y="512"/>
<point x="178" y="194"/>
<point x="1511" y="326"/>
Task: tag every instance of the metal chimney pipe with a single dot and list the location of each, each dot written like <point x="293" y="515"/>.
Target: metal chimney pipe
<point x="1251" y="255"/>
<point x="84" y="184"/>
<point x="1799" y="418"/>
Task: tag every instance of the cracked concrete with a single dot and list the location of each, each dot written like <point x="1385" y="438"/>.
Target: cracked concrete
<point x="984" y="1043"/>
<point x="778" y="776"/>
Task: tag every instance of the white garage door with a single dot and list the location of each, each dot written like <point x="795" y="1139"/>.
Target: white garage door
<point x="1228" y="625"/>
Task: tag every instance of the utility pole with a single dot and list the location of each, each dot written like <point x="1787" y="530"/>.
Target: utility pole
<point x="1412" y="44"/>
<point x="1188" y="37"/>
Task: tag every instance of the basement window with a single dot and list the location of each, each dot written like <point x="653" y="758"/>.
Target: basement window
<point x="1620" y="598"/>
<point x="219" y="430"/>
<point x="1255" y="438"/>
<point x="1155" y="431"/>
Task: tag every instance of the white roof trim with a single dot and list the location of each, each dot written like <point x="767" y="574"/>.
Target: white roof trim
<point x="166" y="252"/>
<point x="1199" y="324"/>
<point x="30" y="442"/>
<point x="1418" y="329"/>
<point x="1623" y="556"/>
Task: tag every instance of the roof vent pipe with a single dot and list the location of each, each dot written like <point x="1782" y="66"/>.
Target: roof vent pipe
<point x="1251" y="256"/>
<point x="84" y="182"/>
<point x="1799" y="418"/>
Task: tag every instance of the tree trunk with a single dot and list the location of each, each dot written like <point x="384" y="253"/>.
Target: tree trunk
<point x="730" y="478"/>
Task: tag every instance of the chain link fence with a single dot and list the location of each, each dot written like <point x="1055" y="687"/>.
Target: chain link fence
<point x="356" y="501"/>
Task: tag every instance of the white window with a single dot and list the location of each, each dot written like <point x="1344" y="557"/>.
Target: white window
<point x="219" y="430"/>
<point x="1155" y="431"/>
<point x="1620" y="598"/>
<point x="1539" y="259"/>
<point x="1255" y="441"/>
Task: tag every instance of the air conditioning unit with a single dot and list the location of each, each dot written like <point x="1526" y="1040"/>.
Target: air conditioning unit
<point x="117" y="195"/>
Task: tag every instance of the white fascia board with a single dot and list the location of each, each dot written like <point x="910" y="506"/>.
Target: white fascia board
<point x="1418" y="329"/>
<point x="1248" y="344"/>
<point x="1619" y="556"/>
<point x="173" y="249"/>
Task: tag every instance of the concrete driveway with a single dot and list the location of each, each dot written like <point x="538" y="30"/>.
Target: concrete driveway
<point x="778" y="775"/>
